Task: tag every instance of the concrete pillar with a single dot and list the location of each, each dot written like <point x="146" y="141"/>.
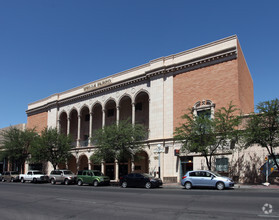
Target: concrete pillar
<point x="90" y="127"/>
<point x="133" y="166"/>
<point x="116" y="165"/>
<point x="59" y="126"/>
<point x="117" y="114"/>
<point x="68" y="125"/>
<point x="78" y="136"/>
<point x="104" y="117"/>
<point x="133" y="113"/>
<point x="103" y="166"/>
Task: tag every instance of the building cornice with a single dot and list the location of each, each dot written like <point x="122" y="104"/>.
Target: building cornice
<point x="165" y="65"/>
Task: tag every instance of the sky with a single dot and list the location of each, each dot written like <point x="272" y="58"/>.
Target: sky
<point x="50" y="46"/>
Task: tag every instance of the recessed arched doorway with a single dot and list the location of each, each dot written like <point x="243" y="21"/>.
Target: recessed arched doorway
<point x="83" y="162"/>
<point x="141" y="162"/>
<point x="72" y="164"/>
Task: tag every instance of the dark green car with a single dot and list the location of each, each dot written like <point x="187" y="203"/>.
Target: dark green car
<point x="92" y="177"/>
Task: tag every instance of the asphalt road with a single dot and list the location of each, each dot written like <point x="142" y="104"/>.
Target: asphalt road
<point x="46" y="201"/>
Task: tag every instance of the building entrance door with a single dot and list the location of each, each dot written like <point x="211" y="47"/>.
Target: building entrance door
<point x="110" y="171"/>
<point x="186" y="164"/>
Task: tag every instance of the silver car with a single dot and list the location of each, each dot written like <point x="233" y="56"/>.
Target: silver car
<point x="63" y="176"/>
<point x="204" y="178"/>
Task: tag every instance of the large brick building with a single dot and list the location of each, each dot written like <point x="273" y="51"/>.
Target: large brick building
<point x="156" y="95"/>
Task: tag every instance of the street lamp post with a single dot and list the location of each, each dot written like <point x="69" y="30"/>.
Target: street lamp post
<point x="159" y="150"/>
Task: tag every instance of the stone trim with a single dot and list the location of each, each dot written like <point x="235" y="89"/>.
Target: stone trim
<point x="182" y="67"/>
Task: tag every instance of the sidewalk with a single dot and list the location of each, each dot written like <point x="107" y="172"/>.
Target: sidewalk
<point x="236" y="186"/>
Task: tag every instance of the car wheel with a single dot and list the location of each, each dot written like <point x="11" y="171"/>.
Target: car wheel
<point x="79" y="182"/>
<point x="66" y="182"/>
<point x="34" y="180"/>
<point x="12" y="180"/>
<point x="3" y="180"/>
<point x="220" y="186"/>
<point x="95" y="183"/>
<point x="52" y="181"/>
<point x="148" y="185"/>
<point x="124" y="184"/>
<point x="22" y="180"/>
<point x="188" y="185"/>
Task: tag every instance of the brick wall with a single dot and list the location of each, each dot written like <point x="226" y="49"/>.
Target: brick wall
<point x="246" y="89"/>
<point x="218" y="83"/>
<point x="37" y="121"/>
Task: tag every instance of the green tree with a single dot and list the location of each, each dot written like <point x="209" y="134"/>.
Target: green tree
<point x="205" y="135"/>
<point x="119" y="142"/>
<point x="51" y="146"/>
<point x="262" y="128"/>
<point x="16" y="145"/>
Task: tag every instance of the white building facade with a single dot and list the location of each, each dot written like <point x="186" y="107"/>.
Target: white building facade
<point x="156" y="95"/>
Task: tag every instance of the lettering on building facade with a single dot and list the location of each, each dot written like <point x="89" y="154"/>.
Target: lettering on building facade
<point x="97" y="85"/>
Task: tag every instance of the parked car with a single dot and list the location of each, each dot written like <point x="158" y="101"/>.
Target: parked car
<point x="63" y="176"/>
<point x="33" y="176"/>
<point x="94" y="177"/>
<point x="203" y="178"/>
<point x="140" y="180"/>
<point x="11" y="176"/>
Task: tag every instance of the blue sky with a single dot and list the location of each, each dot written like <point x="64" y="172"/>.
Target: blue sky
<point x="49" y="46"/>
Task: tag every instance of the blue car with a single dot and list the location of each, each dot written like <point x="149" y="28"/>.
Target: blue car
<point x="204" y="178"/>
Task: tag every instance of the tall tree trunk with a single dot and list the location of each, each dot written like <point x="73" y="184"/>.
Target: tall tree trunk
<point x="208" y="163"/>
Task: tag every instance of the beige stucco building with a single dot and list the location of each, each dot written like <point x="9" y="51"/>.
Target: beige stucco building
<point x="155" y="94"/>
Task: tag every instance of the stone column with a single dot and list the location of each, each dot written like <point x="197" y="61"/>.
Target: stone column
<point x="68" y="125"/>
<point x="59" y="126"/>
<point x="78" y="136"/>
<point x="133" y="166"/>
<point x="116" y="165"/>
<point x="133" y="113"/>
<point x="149" y="121"/>
<point x="90" y="127"/>
<point x="117" y="114"/>
<point x="104" y="117"/>
<point x="103" y="166"/>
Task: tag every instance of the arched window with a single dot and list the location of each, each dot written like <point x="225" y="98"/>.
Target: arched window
<point x="205" y="108"/>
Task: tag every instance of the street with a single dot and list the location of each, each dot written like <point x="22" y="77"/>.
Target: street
<point x="46" y="201"/>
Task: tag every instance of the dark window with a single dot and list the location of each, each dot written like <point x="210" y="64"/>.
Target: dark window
<point x="138" y="106"/>
<point x="87" y="117"/>
<point x="79" y="172"/>
<point x="204" y="113"/>
<point x="137" y="167"/>
<point x="110" y="112"/>
<point x="222" y="164"/>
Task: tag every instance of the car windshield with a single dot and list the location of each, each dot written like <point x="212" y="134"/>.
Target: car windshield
<point x="216" y="174"/>
<point x="68" y="172"/>
<point x="147" y="175"/>
<point x="37" y="173"/>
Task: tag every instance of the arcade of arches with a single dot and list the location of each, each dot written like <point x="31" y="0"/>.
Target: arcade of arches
<point x="81" y="124"/>
<point x="113" y="169"/>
